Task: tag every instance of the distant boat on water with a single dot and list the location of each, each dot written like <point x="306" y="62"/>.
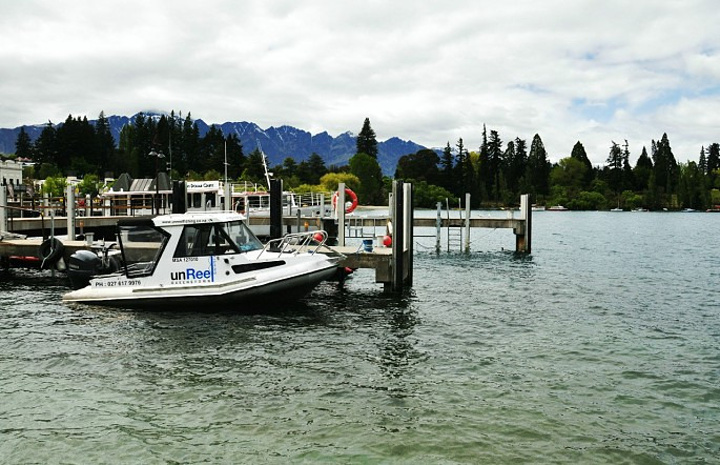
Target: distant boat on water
<point x="557" y="208"/>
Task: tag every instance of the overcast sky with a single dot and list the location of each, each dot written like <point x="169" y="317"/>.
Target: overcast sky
<point x="429" y="71"/>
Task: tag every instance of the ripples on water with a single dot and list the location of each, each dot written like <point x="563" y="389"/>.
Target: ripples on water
<point x="602" y="347"/>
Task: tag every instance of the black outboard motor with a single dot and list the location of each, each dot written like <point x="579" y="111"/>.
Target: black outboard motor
<point x="83" y="266"/>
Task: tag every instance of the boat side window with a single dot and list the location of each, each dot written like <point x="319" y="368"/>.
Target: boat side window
<point x="203" y="240"/>
<point x="141" y="247"/>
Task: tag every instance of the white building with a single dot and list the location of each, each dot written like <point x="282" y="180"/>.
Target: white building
<point x="10" y="175"/>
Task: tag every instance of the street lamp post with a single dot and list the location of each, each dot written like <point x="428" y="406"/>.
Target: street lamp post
<point x="156" y="200"/>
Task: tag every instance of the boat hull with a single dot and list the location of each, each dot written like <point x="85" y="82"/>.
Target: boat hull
<point x="220" y="297"/>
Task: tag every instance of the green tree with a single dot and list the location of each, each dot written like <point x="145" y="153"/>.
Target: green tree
<point x="254" y="168"/>
<point x="330" y="181"/>
<point x="447" y="169"/>
<point x="615" y="168"/>
<point x="90" y="185"/>
<point x="105" y="144"/>
<point x="569" y="174"/>
<point x="428" y="195"/>
<point x="366" y="141"/>
<point x="45" y="147"/>
<point x="578" y="153"/>
<point x="368" y="171"/>
<point x="23" y="145"/>
<point x="495" y="165"/>
<point x="665" y="170"/>
<point x="537" y="173"/>
<point x="642" y="171"/>
<point x="54" y="186"/>
<point x="419" y="166"/>
<point x="691" y="187"/>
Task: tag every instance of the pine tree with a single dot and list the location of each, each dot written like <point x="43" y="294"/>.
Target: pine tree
<point x="366" y="142"/>
<point x="538" y="168"/>
<point x="45" y="147"/>
<point x="665" y="168"/>
<point x="642" y="171"/>
<point x="518" y="166"/>
<point x="447" y="168"/>
<point x="23" y="145"/>
<point x="615" y="168"/>
<point x="485" y="175"/>
<point x="495" y="164"/>
<point x="712" y="164"/>
<point x="578" y="153"/>
<point x="105" y="144"/>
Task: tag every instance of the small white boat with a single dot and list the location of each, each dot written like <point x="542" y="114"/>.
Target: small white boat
<point x="195" y="260"/>
<point x="557" y="208"/>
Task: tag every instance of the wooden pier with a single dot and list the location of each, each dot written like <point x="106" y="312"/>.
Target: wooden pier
<point x="393" y="265"/>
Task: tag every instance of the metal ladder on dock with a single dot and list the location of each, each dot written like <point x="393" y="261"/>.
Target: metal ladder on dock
<point x="454" y="233"/>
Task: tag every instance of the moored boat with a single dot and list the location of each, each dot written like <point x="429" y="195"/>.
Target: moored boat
<point x="201" y="259"/>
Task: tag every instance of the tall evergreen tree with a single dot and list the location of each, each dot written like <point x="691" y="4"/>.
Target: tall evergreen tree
<point x="485" y="175"/>
<point x="712" y="168"/>
<point x="518" y="166"/>
<point x="578" y="153"/>
<point x="495" y="163"/>
<point x="189" y="158"/>
<point x="538" y="168"/>
<point x="23" y="145"/>
<point x="366" y="141"/>
<point x="105" y="144"/>
<point x="642" y="171"/>
<point x="447" y="168"/>
<point x="628" y="179"/>
<point x="465" y="172"/>
<point x="665" y="168"/>
<point x="615" y="168"/>
<point x="45" y="146"/>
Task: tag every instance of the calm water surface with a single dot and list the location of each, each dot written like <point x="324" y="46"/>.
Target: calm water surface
<point x="601" y="347"/>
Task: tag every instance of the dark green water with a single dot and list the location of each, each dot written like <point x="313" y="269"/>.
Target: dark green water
<point x="602" y="347"/>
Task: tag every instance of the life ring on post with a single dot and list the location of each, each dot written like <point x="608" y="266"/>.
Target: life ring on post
<point x="353" y="199"/>
<point x="50" y="251"/>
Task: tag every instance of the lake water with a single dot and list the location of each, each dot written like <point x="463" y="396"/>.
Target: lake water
<point x="603" y="346"/>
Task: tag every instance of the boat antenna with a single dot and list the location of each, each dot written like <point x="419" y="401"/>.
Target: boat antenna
<point x="268" y="174"/>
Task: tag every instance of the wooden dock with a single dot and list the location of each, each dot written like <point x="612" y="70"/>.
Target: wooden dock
<point x="393" y="265"/>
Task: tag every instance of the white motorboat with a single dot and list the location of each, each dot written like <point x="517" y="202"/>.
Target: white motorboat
<point x="201" y="259"/>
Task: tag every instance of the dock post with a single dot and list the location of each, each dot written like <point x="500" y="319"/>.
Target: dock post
<point x="467" y="222"/>
<point x="340" y="214"/>
<point x="523" y="242"/>
<point x="276" y="187"/>
<point x="409" y="214"/>
<point x="438" y="227"/>
<point x="398" y="236"/>
<point x="3" y="210"/>
<point x="70" y="209"/>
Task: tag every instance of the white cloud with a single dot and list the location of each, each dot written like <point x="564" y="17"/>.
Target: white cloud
<point x="433" y="72"/>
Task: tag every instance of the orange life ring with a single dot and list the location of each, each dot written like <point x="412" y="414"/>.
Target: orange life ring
<point x="353" y="199"/>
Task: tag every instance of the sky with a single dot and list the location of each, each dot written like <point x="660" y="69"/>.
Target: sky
<point x="594" y="71"/>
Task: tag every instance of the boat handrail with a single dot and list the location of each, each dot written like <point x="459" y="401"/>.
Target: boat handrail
<point x="302" y="242"/>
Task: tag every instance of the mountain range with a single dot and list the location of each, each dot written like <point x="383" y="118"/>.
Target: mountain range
<point x="277" y="143"/>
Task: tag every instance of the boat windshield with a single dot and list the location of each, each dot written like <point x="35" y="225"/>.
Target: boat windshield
<point x="199" y="240"/>
<point x="141" y="246"/>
